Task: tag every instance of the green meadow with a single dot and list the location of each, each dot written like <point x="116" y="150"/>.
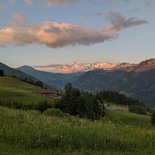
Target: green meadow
<point x="14" y="90"/>
<point x="29" y="132"/>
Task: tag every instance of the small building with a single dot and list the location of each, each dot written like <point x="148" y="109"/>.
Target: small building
<point x="50" y="93"/>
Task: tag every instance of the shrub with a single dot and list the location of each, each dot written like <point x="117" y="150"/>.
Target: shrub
<point x="153" y="118"/>
<point x="138" y="109"/>
<point x="42" y="106"/>
<point x="1" y="73"/>
<point x="39" y="83"/>
<point x="56" y="113"/>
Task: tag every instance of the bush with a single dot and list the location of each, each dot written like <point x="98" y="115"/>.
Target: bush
<point x="56" y="113"/>
<point x="1" y="73"/>
<point x="39" y="83"/>
<point x="42" y="106"/>
<point x="153" y="118"/>
<point x="138" y="109"/>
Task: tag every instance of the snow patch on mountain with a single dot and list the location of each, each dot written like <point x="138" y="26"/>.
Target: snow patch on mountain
<point x="84" y="67"/>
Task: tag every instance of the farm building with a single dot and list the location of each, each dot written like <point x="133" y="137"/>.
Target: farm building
<point x="50" y="93"/>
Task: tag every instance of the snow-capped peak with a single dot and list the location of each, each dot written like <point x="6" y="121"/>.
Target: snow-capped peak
<point x="84" y="67"/>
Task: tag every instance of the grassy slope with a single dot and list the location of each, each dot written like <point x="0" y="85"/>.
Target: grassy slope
<point x="12" y="89"/>
<point x="31" y="133"/>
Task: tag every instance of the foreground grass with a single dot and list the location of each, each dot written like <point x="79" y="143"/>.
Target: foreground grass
<point x="29" y="132"/>
<point x="14" y="90"/>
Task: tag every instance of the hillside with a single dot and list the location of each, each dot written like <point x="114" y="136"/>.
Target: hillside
<point x="52" y="79"/>
<point x="8" y="71"/>
<point x="15" y="91"/>
<point x="139" y="85"/>
<point x="118" y="133"/>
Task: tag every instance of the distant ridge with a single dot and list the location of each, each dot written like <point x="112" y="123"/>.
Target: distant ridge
<point x="55" y="80"/>
<point x="144" y="66"/>
<point x="8" y="71"/>
<point x="85" y="67"/>
<point x="11" y="72"/>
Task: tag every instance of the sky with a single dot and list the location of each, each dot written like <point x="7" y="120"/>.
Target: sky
<point x="41" y="32"/>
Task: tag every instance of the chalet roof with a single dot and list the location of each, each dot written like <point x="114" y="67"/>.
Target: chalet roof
<point x="48" y="91"/>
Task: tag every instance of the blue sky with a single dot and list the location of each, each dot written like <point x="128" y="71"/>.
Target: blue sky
<point x="41" y="32"/>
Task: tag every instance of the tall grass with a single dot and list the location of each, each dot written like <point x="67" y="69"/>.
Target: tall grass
<point x="32" y="132"/>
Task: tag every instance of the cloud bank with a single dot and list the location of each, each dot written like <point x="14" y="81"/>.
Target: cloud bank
<point x="57" y="35"/>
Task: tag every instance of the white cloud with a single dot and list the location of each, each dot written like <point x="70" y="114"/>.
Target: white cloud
<point x="56" y="35"/>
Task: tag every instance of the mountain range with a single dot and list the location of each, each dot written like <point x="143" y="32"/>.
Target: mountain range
<point x="85" y="67"/>
<point x="75" y="67"/>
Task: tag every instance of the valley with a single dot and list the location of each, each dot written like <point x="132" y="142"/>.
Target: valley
<point x="136" y="81"/>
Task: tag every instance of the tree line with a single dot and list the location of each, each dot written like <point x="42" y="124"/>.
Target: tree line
<point x="41" y="106"/>
<point x="117" y="98"/>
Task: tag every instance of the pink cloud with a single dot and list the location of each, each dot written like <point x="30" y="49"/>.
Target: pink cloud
<point x="56" y="35"/>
